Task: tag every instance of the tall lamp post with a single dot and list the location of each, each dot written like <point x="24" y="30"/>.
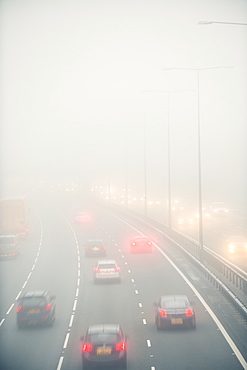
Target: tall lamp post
<point x="199" y="151"/>
<point x="218" y="22"/>
<point x="168" y="92"/>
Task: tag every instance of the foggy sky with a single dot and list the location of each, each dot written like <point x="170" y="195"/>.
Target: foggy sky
<point x="84" y="92"/>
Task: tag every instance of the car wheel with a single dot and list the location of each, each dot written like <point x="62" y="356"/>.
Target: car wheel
<point x="158" y="323"/>
<point x="20" y="325"/>
<point x="193" y="324"/>
<point x="86" y="365"/>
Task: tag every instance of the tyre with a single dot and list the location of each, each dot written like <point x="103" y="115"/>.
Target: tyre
<point x="20" y="325"/>
<point x="158" y="323"/>
<point x="193" y="324"/>
<point x="86" y="365"/>
<point x="124" y="363"/>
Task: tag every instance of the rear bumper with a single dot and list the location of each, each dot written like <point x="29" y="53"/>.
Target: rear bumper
<point x="105" y="360"/>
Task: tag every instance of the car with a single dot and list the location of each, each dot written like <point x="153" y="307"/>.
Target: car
<point x="106" y="270"/>
<point x="185" y="220"/>
<point x="141" y="244"/>
<point x="83" y="218"/>
<point x="237" y="244"/>
<point x="219" y="207"/>
<point x="104" y="345"/>
<point x="95" y="247"/>
<point x="36" y="307"/>
<point x="174" y="311"/>
<point x="9" y="245"/>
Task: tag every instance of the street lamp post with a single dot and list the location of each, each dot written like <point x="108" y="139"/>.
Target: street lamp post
<point x="168" y="92"/>
<point x="199" y="152"/>
<point x="218" y="22"/>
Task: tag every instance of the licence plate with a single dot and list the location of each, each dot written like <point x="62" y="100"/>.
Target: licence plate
<point x="177" y="321"/>
<point x="33" y="311"/>
<point x="95" y="249"/>
<point x="103" y="350"/>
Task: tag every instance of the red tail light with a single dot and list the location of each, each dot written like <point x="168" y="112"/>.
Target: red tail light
<point x="87" y="347"/>
<point x="189" y="312"/>
<point x="121" y="346"/>
<point x="97" y="270"/>
<point x="103" y="248"/>
<point x="163" y="313"/>
<point x="48" y="307"/>
<point x="116" y="269"/>
<point x="19" y="308"/>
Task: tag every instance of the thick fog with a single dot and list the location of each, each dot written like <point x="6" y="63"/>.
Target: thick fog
<point x="90" y="90"/>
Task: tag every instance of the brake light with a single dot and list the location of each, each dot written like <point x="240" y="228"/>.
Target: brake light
<point x="189" y="312"/>
<point x="121" y="346"/>
<point x="48" y="307"/>
<point x="87" y="347"/>
<point x="19" y="308"/>
<point x="163" y="313"/>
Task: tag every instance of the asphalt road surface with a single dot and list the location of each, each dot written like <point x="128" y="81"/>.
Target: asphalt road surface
<point x="52" y="257"/>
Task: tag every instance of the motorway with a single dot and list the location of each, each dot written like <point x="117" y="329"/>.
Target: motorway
<point x="217" y="228"/>
<point x="52" y="258"/>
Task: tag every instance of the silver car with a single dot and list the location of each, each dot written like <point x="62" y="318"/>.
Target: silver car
<point x="106" y="270"/>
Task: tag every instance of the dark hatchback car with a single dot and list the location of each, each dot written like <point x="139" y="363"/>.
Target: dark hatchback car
<point x="95" y="247"/>
<point x="36" y="307"/>
<point x="104" y="345"/>
<point x="174" y="311"/>
<point x="141" y="244"/>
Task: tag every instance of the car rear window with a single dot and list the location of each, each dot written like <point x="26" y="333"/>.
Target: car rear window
<point x="109" y="338"/>
<point x="33" y="301"/>
<point x="174" y="304"/>
<point x="92" y="244"/>
<point x="107" y="266"/>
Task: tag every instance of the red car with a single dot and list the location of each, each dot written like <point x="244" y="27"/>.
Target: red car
<point x="141" y="244"/>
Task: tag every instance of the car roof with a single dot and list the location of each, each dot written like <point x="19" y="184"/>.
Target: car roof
<point x="94" y="240"/>
<point x="237" y="237"/>
<point x="141" y="238"/>
<point x="34" y="293"/>
<point x="104" y="328"/>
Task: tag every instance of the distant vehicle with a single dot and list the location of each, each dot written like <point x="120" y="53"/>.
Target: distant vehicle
<point x="141" y="244"/>
<point x="14" y="216"/>
<point x="104" y="345"/>
<point x="36" y="307"/>
<point x="185" y="220"/>
<point x="174" y="310"/>
<point x="9" y="246"/>
<point x="219" y="207"/>
<point x="106" y="270"/>
<point x="95" y="247"/>
<point x="83" y="218"/>
<point x="205" y="214"/>
<point x="237" y="244"/>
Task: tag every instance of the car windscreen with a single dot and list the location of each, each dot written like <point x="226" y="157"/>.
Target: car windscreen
<point x="33" y="302"/>
<point x="101" y="338"/>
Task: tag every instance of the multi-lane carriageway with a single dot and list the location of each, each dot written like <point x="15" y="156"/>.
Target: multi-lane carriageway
<point x="53" y="258"/>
